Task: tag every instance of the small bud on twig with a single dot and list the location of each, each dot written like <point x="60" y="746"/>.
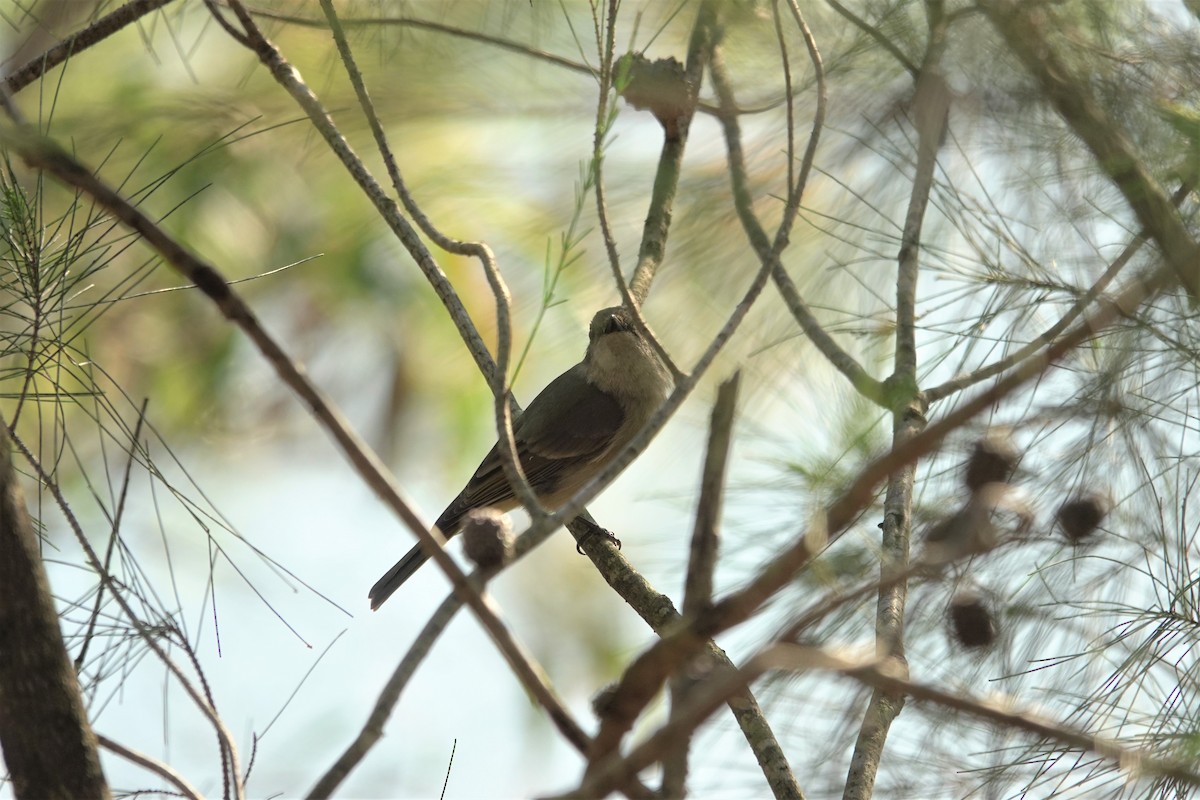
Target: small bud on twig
<point x="487" y="538"/>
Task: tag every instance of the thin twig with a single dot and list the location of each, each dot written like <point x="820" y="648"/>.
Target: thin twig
<point x="430" y="25"/>
<point x="42" y="153"/>
<point x="289" y="78"/>
<point x="653" y="246"/>
<point x="660" y="201"/>
<point x="389" y="696"/>
<point x="930" y="108"/>
<point x="160" y="769"/>
<point x="702" y="556"/>
<point x="498" y="379"/>
<point x="1025" y="28"/>
<point x="769" y="251"/>
<point x="476" y="36"/>
<point x="113" y="534"/>
<point x="76" y="43"/>
<point x="707" y="698"/>
<point x="888" y="676"/>
<point x="702" y="562"/>
<point x="385" y="703"/>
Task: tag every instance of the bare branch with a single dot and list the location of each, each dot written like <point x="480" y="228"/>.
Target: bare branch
<point x="160" y="769"/>
<point x="768" y="252"/>
<point x="887" y="675"/>
<point x="702" y="561"/>
<point x="42" y="153"/>
<point x="675" y="133"/>
<point x="931" y="108"/>
<point x="76" y="43"/>
<point x="289" y="78"/>
<point x="385" y="703"/>
<point x="1024" y="27"/>
<point x="49" y="747"/>
<point x="498" y="379"/>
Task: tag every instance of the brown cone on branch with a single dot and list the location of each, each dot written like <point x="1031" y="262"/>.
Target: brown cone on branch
<point x="992" y="460"/>
<point x="1079" y="517"/>
<point x="972" y="621"/>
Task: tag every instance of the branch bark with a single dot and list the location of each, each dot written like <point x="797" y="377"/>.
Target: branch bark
<point x="75" y="44"/>
<point x="1025" y="29"/>
<point x="931" y="107"/>
<point x="48" y="743"/>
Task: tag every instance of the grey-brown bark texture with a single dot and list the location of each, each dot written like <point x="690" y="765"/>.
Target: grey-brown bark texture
<point x="47" y="742"/>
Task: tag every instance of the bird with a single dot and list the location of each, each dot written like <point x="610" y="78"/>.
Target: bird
<point x="571" y="430"/>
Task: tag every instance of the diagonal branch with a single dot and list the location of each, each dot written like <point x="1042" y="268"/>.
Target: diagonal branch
<point x="767" y="251"/>
<point x="1024" y="28"/>
<point x="498" y="379"/>
<point x="76" y="43"/>
<point x="887" y="676"/>
<point x="960" y="382"/>
<point x="42" y="153"/>
<point x="289" y="78"/>
<point x="685" y="640"/>
<point x="702" y="563"/>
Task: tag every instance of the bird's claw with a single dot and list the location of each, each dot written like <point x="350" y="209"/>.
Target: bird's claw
<point x="594" y="531"/>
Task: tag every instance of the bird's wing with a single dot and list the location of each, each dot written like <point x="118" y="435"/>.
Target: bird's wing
<point x="569" y="422"/>
<point x="569" y="419"/>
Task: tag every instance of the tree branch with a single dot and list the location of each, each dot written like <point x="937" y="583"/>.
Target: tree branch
<point x="44" y="154"/>
<point x="768" y="252"/>
<point x="886" y="676"/>
<point x="931" y="108"/>
<point x="738" y="606"/>
<point x="1024" y="27"/>
<point x="76" y="43"/>
<point x="160" y="769"/>
<point x="503" y="404"/>
<point x="48" y="744"/>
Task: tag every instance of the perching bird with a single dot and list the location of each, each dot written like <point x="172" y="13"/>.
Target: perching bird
<point x="569" y="432"/>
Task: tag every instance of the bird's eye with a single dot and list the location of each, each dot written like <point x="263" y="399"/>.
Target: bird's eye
<point x="615" y="324"/>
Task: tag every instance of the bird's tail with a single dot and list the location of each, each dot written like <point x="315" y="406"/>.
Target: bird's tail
<point x="394" y="577"/>
<point x="448" y="523"/>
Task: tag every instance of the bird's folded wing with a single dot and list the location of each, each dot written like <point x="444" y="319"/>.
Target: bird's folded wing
<point x="569" y="422"/>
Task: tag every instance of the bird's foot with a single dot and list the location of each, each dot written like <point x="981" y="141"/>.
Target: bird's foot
<point x="596" y="530"/>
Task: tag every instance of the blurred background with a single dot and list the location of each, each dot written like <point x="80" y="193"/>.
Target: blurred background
<point x="242" y="528"/>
